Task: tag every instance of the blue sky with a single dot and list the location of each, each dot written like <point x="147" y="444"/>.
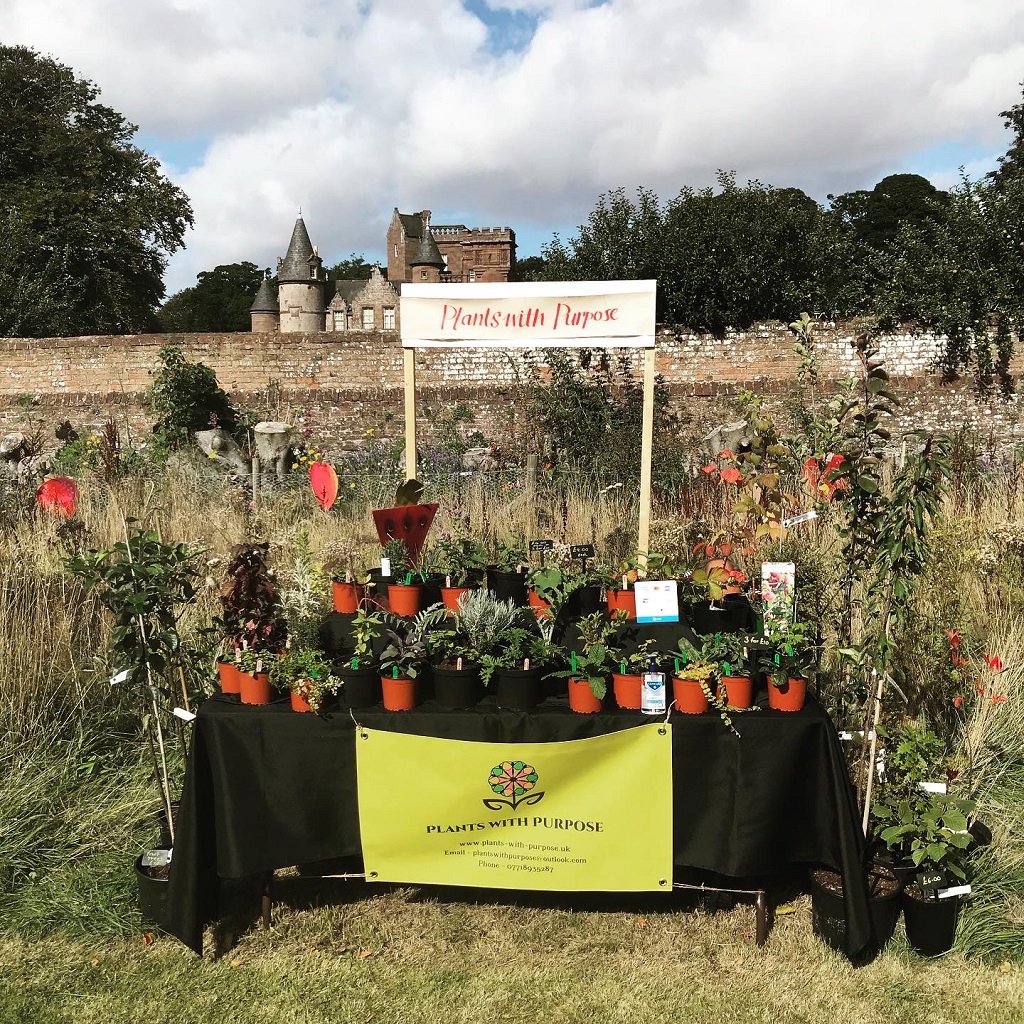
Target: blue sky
<point x="522" y="112"/>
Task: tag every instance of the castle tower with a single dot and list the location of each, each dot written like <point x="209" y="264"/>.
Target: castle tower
<point x="427" y="264"/>
<point x="264" y="311"/>
<point x="300" y="285"/>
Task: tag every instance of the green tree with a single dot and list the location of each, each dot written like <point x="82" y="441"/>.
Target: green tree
<point x="1011" y="164"/>
<point x="355" y="268"/>
<point x="219" y="301"/>
<point x="876" y="217"/>
<point x="530" y="268"/>
<point x="87" y="213"/>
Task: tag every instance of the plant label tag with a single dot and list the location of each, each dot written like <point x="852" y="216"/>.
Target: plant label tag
<point x="119" y="677"/>
<point x="541" y="545"/>
<point x="954" y="890"/>
<point x="156" y="858"/>
<point x="652" y="693"/>
<point x="185" y="716"/>
<point x="581" y="551"/>
<point x="657" y="601"/>
<point x="930" y="883"/>
<point x="385" y="566"/>
<point x="806" y="517"/>
<point x="934" y="787"/>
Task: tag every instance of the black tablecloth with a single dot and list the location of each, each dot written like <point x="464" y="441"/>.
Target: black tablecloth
<point x="268" y="788"/>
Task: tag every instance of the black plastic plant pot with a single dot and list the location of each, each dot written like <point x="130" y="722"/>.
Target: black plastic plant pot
<point x="152" y="893"/>
<point x="507" y="586"/>
<point x="430" y="589"/>
<point x="360" y="687"/>
<point x="584" y="601"/>
<point x="456" y="688"/>
<point x="930" y="924"/>
<point x="517" y="689"/>
<point x="828" y="908"/>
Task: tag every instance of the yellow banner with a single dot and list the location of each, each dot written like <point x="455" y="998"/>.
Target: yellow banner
<point x="579" y="815"/>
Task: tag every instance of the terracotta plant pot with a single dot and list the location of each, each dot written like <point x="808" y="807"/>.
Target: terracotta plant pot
<point x="299" y="703"/>
<point x="689" y="696"/>
<point x="451" y="596"/>
<point x="541" y="607"/>
<point x="229" y="681"/>
<point x="789" y="697"/>
<point x="582" y="699"/>
<point x="399" y="694"/>
<point x="627" y="690"/>
<point x="255" y="688"/>
<point x="404" y="599"/>
<point x="622" y="600"/>
<point x="738" y="690"/>
<point x="346" y="597"/>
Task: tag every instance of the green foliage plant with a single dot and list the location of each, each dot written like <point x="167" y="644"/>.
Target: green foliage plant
<point x="186" y="397"/>
<point x="408" y="642"/>
<point x="144" y="583"/>
<point x="460" y="558"/>
<point x="367" y="629"/>
<point x="596" y="660"/>
<point x="305" y="672"/>
<point x="252" y="614"/>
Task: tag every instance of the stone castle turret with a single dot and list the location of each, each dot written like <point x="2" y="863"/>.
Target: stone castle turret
<point x="300" y="284"/>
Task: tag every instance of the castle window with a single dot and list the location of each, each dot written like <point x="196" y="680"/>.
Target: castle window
<point x="339" y="320"/>
<point x="423" y="275"/>
<point x="367" y="318"/>
<point x="389" y="318"/>
<point x="396" y="250"/>
<point x="472" y="275"/>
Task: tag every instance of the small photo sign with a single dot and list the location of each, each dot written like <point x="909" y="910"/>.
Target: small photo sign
<point x="657" y="601"/>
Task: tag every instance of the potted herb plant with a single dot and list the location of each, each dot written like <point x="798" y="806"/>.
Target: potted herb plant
<point x="460" y="562"/>
<point x="359" y="674"/>
<point x="506" y="575"/>
<point x="691" y="680"/>
<point x="254" y="676"/>
<point x="516" y="667"/>
<point x="453" y="667"/>
<point x="404" y="656"/>
<point x="404" y="594"/>
<point x="306" y="675"/>
<point x="590" y="667"/>
<point x="627" y="683"/>
<point x="792" y="661"/>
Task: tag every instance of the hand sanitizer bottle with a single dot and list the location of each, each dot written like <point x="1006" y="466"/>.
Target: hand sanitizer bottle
<point x="652" y="690"/>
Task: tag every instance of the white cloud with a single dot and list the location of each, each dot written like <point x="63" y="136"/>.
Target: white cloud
<point x="348" y="108"/>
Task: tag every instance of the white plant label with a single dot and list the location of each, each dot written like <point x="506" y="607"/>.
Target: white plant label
<point x="119" y="677"/>
<point x="806" y="517"/>
<point x="185" y="716"/>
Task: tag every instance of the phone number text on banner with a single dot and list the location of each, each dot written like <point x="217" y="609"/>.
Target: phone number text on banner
<point x="578" y="815"/>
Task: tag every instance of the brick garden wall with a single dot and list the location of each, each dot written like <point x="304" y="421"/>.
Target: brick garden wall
<point x="340" y="383"/>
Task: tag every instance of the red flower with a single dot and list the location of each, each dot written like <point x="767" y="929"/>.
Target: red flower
<point x="954" y="638"/>
<point x="958" y="661"/>
<point x="725" y="454"/>
<point x="999" y="698"/>
<point x="958" y="701"/>
<point x="833" y="463"/>
<point x="979" y="687"/>
<point x="995" y="662"/>
<point x="710" y="468"/>
<point x="732" y="475"/>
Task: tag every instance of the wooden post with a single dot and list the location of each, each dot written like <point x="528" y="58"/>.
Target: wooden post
<point x="646" y="450"/>
<point x="410" y="414"/>
<point x="531" y="495"/>
<point x="255" y="481"/>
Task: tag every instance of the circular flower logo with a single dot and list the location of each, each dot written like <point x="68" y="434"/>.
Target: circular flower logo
<point x="514" y="782"/>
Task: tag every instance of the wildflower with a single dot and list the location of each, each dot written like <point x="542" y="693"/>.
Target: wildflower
<point x="999" y="698"/>
<point x="995" y="662"/>
<point x="958" y="661"/>
<point x="958" y="701"/>
<point x="732" y="475"/>
<point x="710" y="468"/>
<point x="954" y="638"/>
<point x="213" y="455"/>
<point x="725" y="453"/>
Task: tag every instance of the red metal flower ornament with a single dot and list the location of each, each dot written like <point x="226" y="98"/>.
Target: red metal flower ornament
<point x="324" y="481"/>
<point x="58" y="495"/>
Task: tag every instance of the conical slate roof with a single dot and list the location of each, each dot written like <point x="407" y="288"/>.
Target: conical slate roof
<point x="428" y="254"/>
<point x="295" y="265"/>
<point x="266" y="298"/>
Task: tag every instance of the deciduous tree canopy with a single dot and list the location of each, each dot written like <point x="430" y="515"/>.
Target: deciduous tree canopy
<point x="220" y="300"/>
<point x="89" y="219"/>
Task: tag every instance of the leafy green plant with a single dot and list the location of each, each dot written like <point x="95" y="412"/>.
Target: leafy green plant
<point x="487" y="621"/>
<point x="252" y="613"/>
<point x="367" y="629"/>
<point x="929" y="831"/>
<point x="789" y="651"/>
<point x="595" y="661"/>
<point x="408" y="646"/>
<point x="186" y="397"/>
<point x="144" y="583"/>
<point x="305" y="672"/>
<point x="459" y="558"/>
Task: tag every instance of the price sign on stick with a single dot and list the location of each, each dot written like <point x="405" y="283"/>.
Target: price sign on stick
<point x="582" y="552"/>
<point x="539" y="547"/>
